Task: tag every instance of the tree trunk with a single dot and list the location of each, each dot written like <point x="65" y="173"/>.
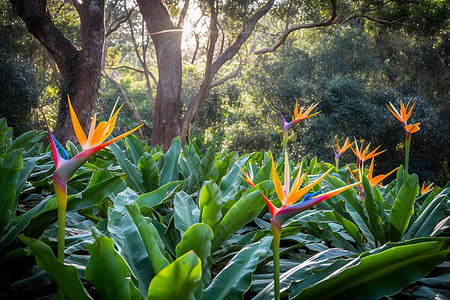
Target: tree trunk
<point x="80" y="68"/>
<point x="167" y="40"/>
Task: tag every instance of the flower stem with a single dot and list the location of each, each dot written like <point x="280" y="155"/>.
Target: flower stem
<point x="407" y="146"/>
<point x="61" y="196"/>
<point x="276" y="232"/>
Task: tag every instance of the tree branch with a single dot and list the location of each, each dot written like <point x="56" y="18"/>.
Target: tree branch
<point x="182" y="16"/>
<point x="291" y="29"/>
<point x="129" y="104"/>
<point x="116" y="23"/>
<point x="233" y="74"/>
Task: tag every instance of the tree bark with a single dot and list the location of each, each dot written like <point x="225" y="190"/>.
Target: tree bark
<point x="80" y="68"/>
<point x="167" y="41"/>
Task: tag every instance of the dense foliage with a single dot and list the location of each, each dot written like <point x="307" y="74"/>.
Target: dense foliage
<point x="134" y="215"/>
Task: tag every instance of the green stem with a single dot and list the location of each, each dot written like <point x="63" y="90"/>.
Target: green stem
<point x="336" y="160"/>
<point x="276" y="232"/>
<point x="407" y="145"/>
<point x="285" y="138"/>
<point x="61" y="196"/>
<point x="61" y="240"/>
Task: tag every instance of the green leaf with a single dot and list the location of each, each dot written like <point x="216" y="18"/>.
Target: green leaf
<point x="169" y="171"/>
<point x="131" y="247"/>
<point x="150" y="172"/>
<point x="208" y="159"/>
<point x="381" y="274"/>
<point x="232" y="180"/>
<point x="22" y="223"/>
<point x="198" y="238"/>
<point x="372" y="211"/>
<point x="235" y="279"/>
<point x="210" y="201"/>
<point x="306" y="273"/>
<point x="10" y="166"/>
<point x="351" y="228"/>
<point x="27" y="140"/>
<point x="150" y="237"/>
<point x="134" y="178"/>
<point x="429" y="218"/>
<point x="186" y="211"/>
<point x="194" y="165"/>
<point x="243" y="211"/>
<point x="403" y="208"/>
<point x="107" y="270"/>
<point x="179" y="280"/>
<point x="134" y="145"/>
<point x="159" y="195"/>
<point x="220" y="169"/>
<point x="65" y="276"/>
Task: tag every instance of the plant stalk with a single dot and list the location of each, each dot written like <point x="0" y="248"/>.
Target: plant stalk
<point x="407" y="146"/>
<point x="61" y="196"/>
<point x="276" y="232"/>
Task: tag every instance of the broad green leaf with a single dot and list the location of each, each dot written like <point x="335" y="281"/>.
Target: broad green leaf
<point x="134" y="178"/>
<point x="27" y="140"/>
<point x="151" y="239"/>
<point x="65" y="276"/>
<point x="71" y="149"/>
<point x="131" y="247"/>
<point x="186" y="212"/>
<point x="381" y="274"/>
<point x="231" y="181"/>
<point x="198" y="238"/>
<point x="135" y="147"/>
<point x="208" y="159"/>
<point x="351" y="228"/>
<point x="403" y="208"/>
<point x="235" y="279"/>
<point x="6" y="134"/>
<point x="429" y="218"/>
<point x="243" y="211"/>
<point x="194" y="165"/>
<point x="219" y="169"/>
<point x="210" y="201"/>
<point x="107" y="270"/>
<point x="360" y="221"/>
<point x="10" y="166"/>
<point x="401" y="177"/>
<point x="372" y="211"/>
<point x="150" y="172"/>
<point x="159" y="195"/>
<point x="179" y="280"/>
<point x="306" y="273"/>
<point x="169" y="171"/>
<point x="22" y="223"/>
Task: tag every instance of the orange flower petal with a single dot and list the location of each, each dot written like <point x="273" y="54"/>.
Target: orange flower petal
<point x="276" y="181"/>
<point x="76" y="125"/>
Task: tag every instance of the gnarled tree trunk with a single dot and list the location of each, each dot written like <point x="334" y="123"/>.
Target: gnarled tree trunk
<point x="80" y="68"/>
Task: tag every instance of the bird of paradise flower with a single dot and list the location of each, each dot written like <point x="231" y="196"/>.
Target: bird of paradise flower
<point x="403" y="117"/>
<point x="65" y="167"/>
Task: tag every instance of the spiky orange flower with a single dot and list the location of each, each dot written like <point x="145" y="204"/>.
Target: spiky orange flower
<point x="298" y="116"/>
<point x="424" y="189"/>
<point x="97" y="135"/>
<point x="372" y="180"/>
<point x="363" y="155"/>
<point x="404" y="115"/>
<point x="344" y="148"/>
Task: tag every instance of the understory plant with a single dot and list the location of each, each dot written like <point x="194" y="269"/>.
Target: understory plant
<point x="184" y="224"/>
